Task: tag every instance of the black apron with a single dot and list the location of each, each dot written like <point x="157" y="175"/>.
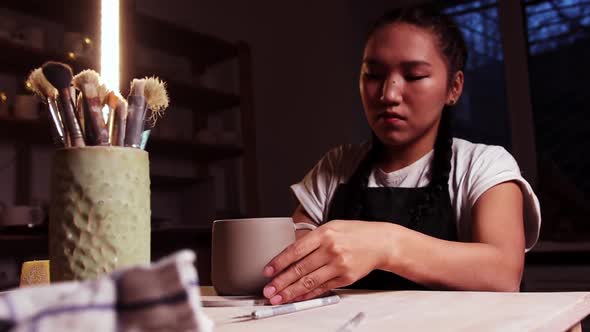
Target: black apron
<point x="399" y="206"/>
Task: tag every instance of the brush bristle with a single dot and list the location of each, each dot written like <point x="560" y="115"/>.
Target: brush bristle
<point x="121" y="101"/>
<point x="58" y="74"/>
<point x="40" y="86"/>
<point x="90" y="91"/>
<point x="87" y="76"/>
<point x="112" y="100"/>
<point x="137" y="87"/>
<point x="156" y="95"/>
<point x="103" y="93"/>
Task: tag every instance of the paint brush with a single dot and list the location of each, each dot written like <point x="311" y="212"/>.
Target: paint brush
<point x="135" y="113"/>
<point x="120" y="121"/>
<point x="48" y="93"/>
<point x="79" y="111"/>
<point x="157" y="101"/>
<point x="103" y="94"/>
<point x="111" y="100"/>
<point x="60" y="76"/>
<point x="88" y="82"/>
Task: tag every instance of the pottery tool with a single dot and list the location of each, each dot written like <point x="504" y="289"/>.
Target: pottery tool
<point x="88" y="82"/>
<point x="135" y="113"/>
<point x="60" y="76"/>
<point x="48" y="93"/>
<point x="232" y="301"/>
<point x="120" y="122"/>
<point x="293" y="307"/>
<point x="157" y="101"/>
<point x="111" y="101"/>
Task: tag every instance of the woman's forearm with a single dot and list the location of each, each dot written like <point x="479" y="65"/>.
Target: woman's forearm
<point x="441" y="264"/>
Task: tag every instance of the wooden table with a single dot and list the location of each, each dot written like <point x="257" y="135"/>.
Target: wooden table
<point x="422" y="311"/>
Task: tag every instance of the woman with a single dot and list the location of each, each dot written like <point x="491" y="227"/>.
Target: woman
<point x="415" y="208"/>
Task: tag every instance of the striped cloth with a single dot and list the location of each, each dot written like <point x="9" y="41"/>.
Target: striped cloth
<point x="163" y="296"/>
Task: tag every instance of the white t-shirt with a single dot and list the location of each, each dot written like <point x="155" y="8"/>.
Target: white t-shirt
<point x="475" y="168"/>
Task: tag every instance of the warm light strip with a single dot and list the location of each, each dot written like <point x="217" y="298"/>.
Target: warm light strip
<point x="109" y="43"/>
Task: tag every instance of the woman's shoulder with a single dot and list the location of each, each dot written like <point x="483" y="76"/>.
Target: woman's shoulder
<point x="480" y="161"/>
<point x="466" y="152"/>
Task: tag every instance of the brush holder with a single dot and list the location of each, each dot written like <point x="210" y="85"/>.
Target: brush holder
<point x="99" y="218"/>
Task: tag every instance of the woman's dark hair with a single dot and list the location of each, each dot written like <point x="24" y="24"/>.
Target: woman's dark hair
<point x="453" y="48"/>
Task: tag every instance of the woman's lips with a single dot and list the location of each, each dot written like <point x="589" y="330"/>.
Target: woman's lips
<point x="392" y="118"/>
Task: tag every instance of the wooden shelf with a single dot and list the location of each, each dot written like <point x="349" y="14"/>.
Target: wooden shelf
<point x="565" y="247"/>
<point x="37" y="132"/>
<point x="20" y="59"/>
<point x="24" y="237"/>
<point x="202" y="50"/>
<point x="73" y="14"/>
<point x="193" y="96"/>
<point x="199" y="98"/>
<point x="138" y="30"/>
<point x="164" y="183"/>
<point x="25" y="131"/>
<point x="83" y="16"/>
<point x="192" y="151"/>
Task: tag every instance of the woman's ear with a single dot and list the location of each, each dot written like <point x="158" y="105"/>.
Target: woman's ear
<point x="456" y="88"/>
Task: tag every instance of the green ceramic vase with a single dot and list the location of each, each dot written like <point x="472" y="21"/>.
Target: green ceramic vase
<point x="99" y="218"/>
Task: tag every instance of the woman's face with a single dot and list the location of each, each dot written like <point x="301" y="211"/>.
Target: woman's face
<point x="403" y="84"/>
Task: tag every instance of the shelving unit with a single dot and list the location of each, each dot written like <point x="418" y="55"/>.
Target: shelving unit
<point x="36" y="132"/>
<point x="137" y="29"/>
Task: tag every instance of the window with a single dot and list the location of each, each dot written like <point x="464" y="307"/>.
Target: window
<point x="481" y="114"/>
<point x="558" y="34"/>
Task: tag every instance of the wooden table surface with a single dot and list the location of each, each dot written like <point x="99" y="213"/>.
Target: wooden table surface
<point x="422" y="311"/>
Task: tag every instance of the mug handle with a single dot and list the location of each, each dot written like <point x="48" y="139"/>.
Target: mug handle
<point x="304" y="225"/>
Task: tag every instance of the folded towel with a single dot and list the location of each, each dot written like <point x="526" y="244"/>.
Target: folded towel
<point x="163" y="296"/>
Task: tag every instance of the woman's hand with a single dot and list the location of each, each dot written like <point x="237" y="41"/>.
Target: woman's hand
<point x="335" y="255"/>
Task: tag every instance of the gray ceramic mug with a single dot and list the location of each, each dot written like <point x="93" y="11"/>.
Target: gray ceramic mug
<point x="241" y="248"/>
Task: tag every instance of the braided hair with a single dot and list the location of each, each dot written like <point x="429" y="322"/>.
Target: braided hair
<point x="452" y="46"/>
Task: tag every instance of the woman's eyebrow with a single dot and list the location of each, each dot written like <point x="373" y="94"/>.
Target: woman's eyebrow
<point x="415" y="63"/>
<point x="404" y="64"/>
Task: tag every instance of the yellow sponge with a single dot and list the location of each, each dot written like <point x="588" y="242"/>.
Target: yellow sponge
<point x="34" y="273"/>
